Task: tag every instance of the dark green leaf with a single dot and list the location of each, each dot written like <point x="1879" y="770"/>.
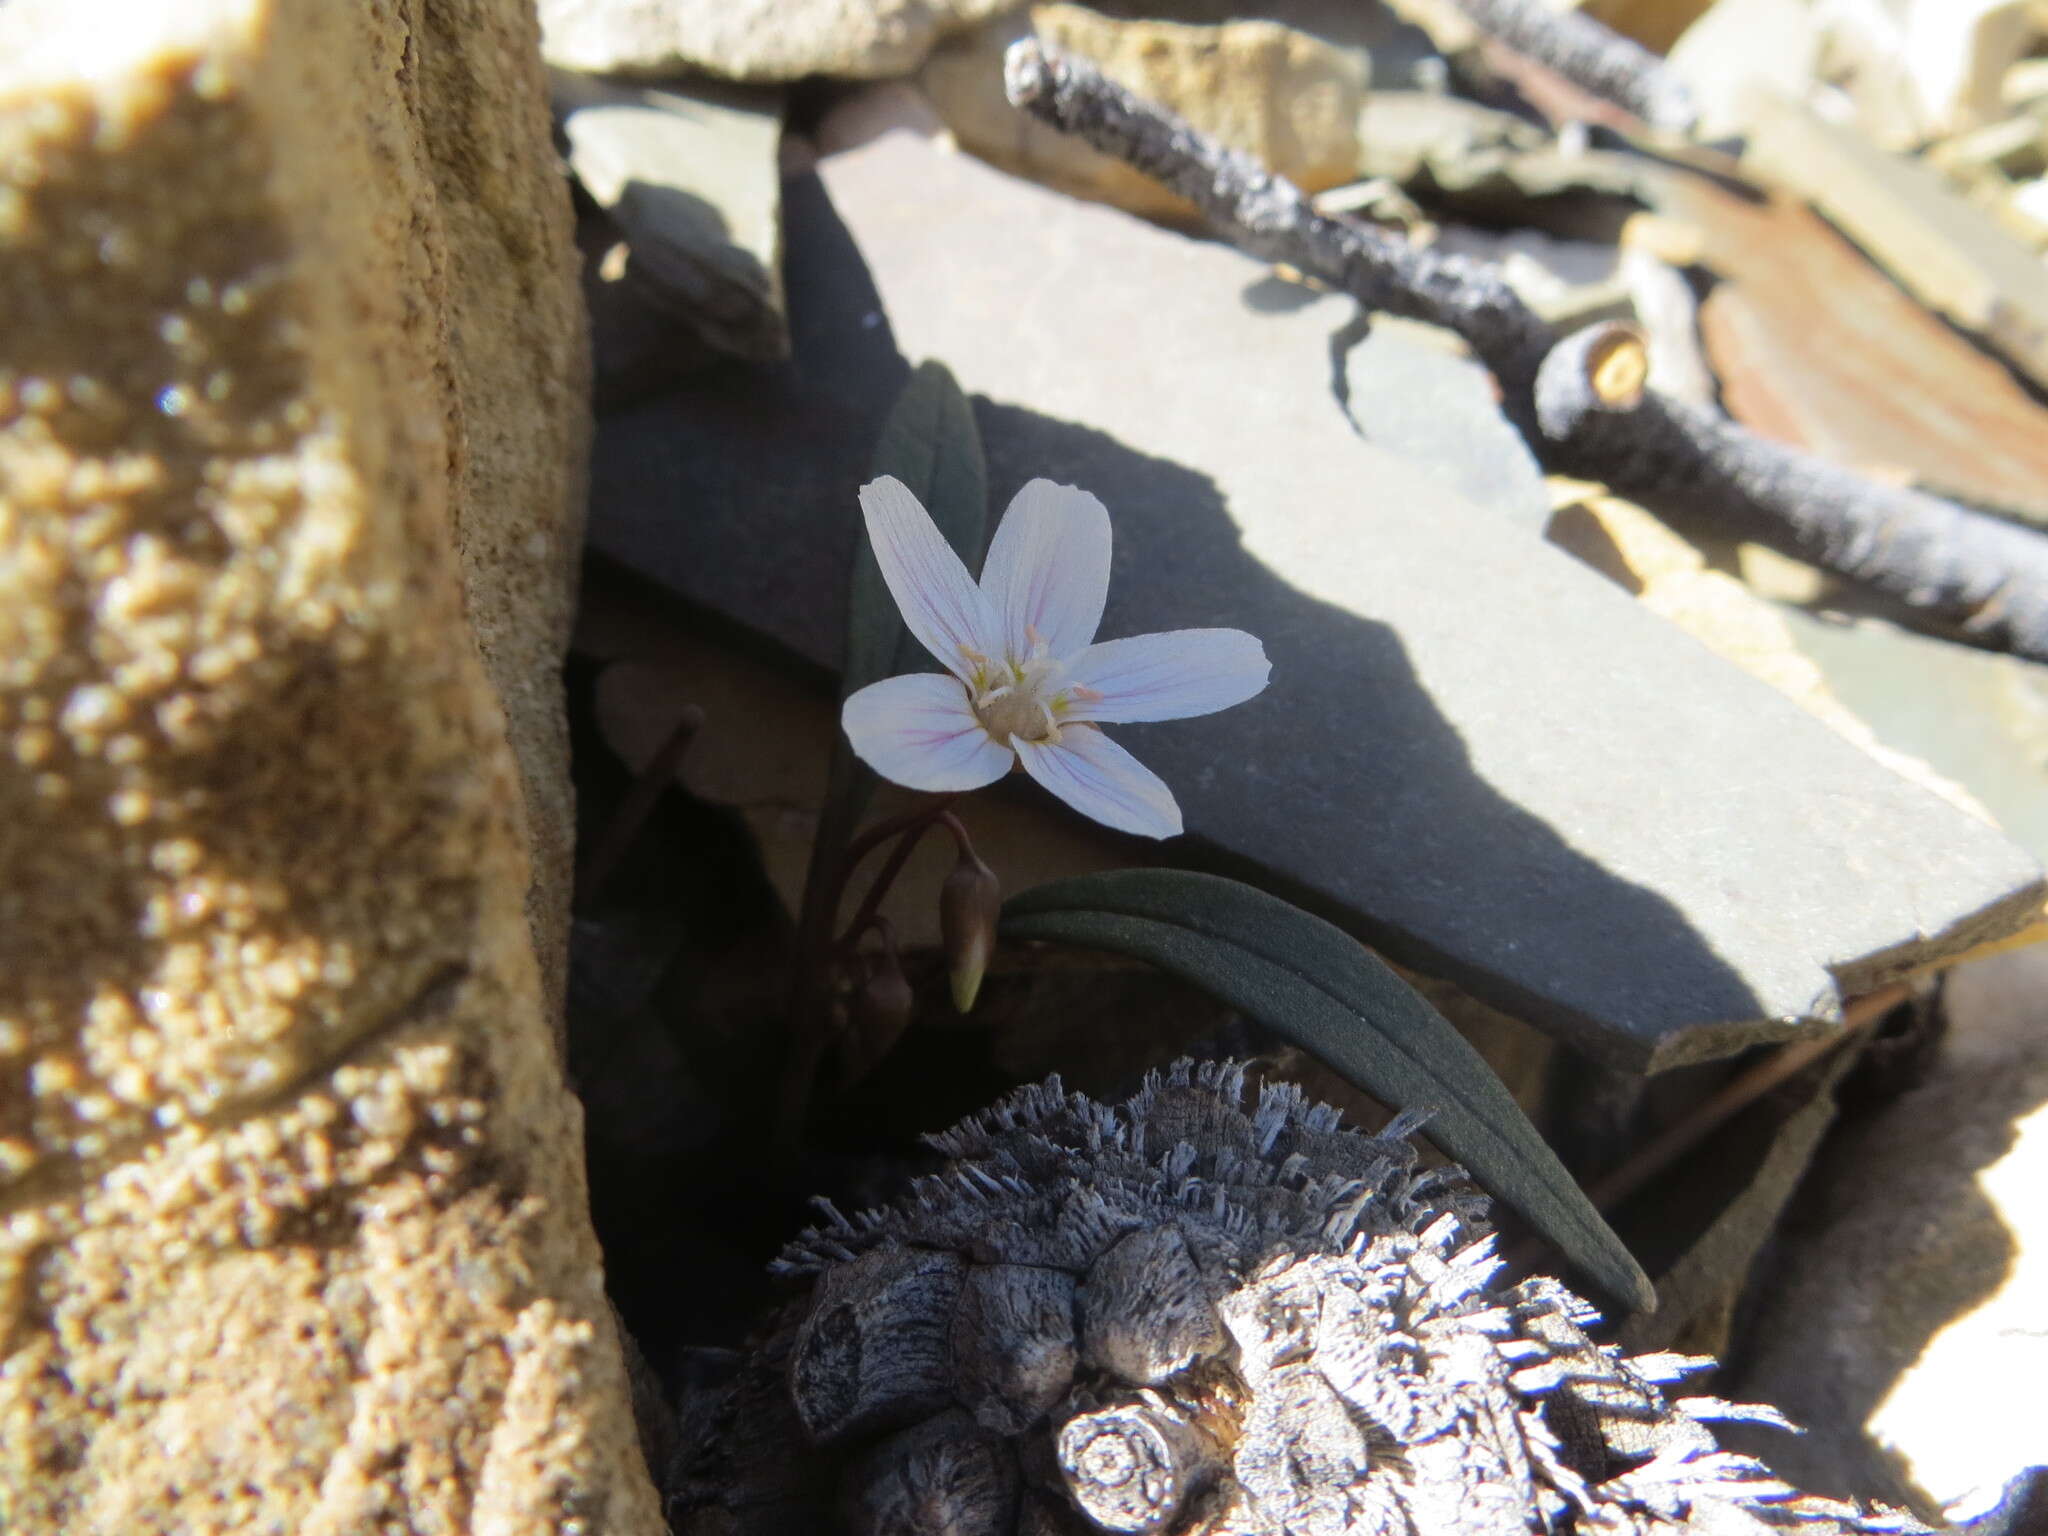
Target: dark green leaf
<point x="929" y="443"/>
<point x="1318" y="987"/>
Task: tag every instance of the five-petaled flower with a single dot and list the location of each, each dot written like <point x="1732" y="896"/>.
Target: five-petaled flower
<point x="1027" y="682"/>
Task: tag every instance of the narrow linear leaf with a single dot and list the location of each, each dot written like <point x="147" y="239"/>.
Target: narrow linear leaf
<point x="931" y="444"/>
<point x="1318" y="987"/>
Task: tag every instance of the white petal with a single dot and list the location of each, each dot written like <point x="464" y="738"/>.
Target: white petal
<point x="919" y="730"/>
<point x="1166" y="676"/>
<point x="1047" y="572"/>
<point x="941" y="604"/>
<point x="1098" y="778"/>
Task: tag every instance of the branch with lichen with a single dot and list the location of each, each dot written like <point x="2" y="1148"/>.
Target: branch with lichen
<point x="1575" y="398"/>
<point x="1592" y="55"/>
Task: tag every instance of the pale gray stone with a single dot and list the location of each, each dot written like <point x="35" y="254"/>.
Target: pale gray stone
<point x="1458" y="155"/>
<point x="689" y="177"/>
<point x="1414" y="390"/>
<point x="1977" y="717"/>
<point x="1956" y="53"/>
<point x="1480" y="753"/>
<point x="754" y="40"/>
<point x="1737" y="46"/>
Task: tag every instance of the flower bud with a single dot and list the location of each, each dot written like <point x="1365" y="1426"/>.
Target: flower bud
<point x="969" y="903"/>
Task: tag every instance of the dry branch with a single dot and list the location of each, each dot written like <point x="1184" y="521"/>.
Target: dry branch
<point x="1955" y="566"/>
<point x="1592" y="56"/>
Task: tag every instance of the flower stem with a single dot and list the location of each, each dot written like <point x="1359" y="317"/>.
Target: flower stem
<point x="912" y="835"/>
<point x="811" y="992"/>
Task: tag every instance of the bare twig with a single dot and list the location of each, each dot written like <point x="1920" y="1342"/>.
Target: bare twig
<point x="1736" y="1095"/>
<point x="1686" y="1133"/>
<point x="1592" y="56"/>
<point x="810" y="1007"/>
<point x="1988" y="577"/>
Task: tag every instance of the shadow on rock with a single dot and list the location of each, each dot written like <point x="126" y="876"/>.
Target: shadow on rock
<point x="1897" y="1324"/>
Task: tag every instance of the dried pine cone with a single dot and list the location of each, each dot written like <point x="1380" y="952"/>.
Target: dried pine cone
<point x="1172" y="1315"/>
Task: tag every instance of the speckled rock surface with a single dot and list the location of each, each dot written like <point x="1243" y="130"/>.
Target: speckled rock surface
<point x="518" y="409"/>
<point x="294" y="1233"/>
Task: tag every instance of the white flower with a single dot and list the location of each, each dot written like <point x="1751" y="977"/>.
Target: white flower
<point x="1027" y="684"/>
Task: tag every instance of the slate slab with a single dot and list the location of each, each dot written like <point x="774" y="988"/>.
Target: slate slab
<point x="1414" y="390"/>
<point x="1479" y="753"/>
<point x="1946" y="251"/>
<point x="1977" y="717"/>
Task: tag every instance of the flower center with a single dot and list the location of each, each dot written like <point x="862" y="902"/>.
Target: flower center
<point x="1019" y="698"/>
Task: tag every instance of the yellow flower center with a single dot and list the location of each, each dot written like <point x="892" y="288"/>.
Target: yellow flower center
<point x="1018" y="698"/>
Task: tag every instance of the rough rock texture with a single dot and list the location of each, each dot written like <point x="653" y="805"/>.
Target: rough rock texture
<point x="294" y="1233"/>
<point x="762" y="40"/>
<point x="1286" y="97"/>
<point x="1200" y="1311"/>
<point x="517" y="406"/>
<point x="1904" y="1323"/>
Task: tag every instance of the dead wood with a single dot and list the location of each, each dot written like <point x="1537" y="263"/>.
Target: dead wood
<point x="1985" y="577"/>
<point x="1334" y="1353"/>
<point x="1592" y="55"/>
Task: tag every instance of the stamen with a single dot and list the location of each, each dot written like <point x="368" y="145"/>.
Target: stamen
<point x="1084" y="692"/>
<point x="978" y="662"/>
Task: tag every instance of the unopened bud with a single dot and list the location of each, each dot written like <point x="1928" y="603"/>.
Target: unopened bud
<point x="969" y="903"/>
<point x="881" y="1012"/>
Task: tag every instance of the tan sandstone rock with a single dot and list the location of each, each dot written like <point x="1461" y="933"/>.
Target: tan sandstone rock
<point x="756" y="40"/>
<point x="1289" y="99"/>
<point x="292" y="1227"/>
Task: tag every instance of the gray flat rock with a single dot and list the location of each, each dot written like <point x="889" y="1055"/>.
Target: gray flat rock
<point x="1479" y="753"/>
<point x="1413" y="389"/>
<point x="689" y="176"/>
<point x="1977" y="717"/>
